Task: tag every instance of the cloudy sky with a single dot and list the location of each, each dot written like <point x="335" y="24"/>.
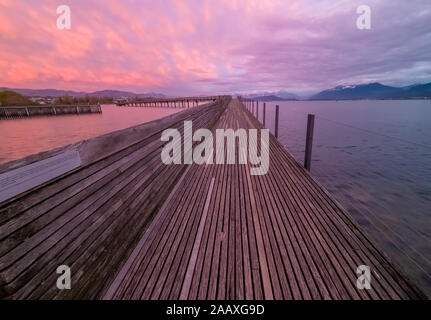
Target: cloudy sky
<point x="186" y="47"/>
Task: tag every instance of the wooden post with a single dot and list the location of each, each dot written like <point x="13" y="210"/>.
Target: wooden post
<point x="309" y="141"/>
<point x="264" y="113"/>
<point x="276" y="121"/>
<point x="257" y="110"/>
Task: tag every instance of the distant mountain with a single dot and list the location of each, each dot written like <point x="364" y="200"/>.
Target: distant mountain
<point x="417" y="91"/>
<point x="374" y="91"/>
<point x="104" y="93"/>
<point x="272" y="98"/>
<point x="286" y="95"/>
<point x="45" y="92"/>
<point x="281" y="95"/>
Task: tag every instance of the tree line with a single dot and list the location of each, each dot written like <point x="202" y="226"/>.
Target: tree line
<point x="82" y="100"/>
<point x="12" y="98"/>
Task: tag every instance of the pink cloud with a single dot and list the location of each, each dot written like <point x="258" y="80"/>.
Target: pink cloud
<point x="188" y="47"/>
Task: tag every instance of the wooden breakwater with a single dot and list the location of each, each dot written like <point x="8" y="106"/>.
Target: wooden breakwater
<point x="130" y="227"/>
<point x="12" y="112"/>
<point x="183" y="102"/>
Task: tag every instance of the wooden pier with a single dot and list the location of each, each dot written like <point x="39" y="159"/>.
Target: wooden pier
<point x="131" y="227"/>
<point x="187" y="102"/>
<point x="13" y="112"/>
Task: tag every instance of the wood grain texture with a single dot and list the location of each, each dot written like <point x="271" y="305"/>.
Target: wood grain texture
<point x="92" y="217"/>
<point x="275" y="236"/>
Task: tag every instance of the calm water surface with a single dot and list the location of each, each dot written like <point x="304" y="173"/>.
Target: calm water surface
<point x="375" y="158"/>
<point x="26" y="136"/>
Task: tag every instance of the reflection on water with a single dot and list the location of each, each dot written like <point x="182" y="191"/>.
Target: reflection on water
<point x="26" y="136"/>
<point x="385" y="183"/>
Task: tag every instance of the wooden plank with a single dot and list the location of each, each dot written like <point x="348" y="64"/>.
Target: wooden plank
<point x="48" y="229"/>
<point x="200" y="285"/>
<point x="183" y="198"/>
<point x="192" y="262"/>
<point x="196" y="208"/>
<point x="32" y="241"/>
<point x="109" y="294"/>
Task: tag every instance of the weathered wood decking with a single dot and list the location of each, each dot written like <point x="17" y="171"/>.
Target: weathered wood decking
<point x="131" y="227"/>
<point x="225" y="234"/>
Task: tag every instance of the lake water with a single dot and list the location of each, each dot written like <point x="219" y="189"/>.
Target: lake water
<point x="26" y="136"/>
<point x="373" y="156"/>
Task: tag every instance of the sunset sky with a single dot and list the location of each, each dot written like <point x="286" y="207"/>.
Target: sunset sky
<point x="183" y="47"/>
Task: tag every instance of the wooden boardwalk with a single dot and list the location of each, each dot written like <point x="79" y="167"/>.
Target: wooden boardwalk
<point x="131" y="227"/>
<point x="184" y="102"/>
<point x="225" y="234"/>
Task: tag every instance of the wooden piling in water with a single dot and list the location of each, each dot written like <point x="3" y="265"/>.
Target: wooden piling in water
<point x="257" y="110"/>
<point x="276" y="121"/>
<point x="309" y="141"/>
